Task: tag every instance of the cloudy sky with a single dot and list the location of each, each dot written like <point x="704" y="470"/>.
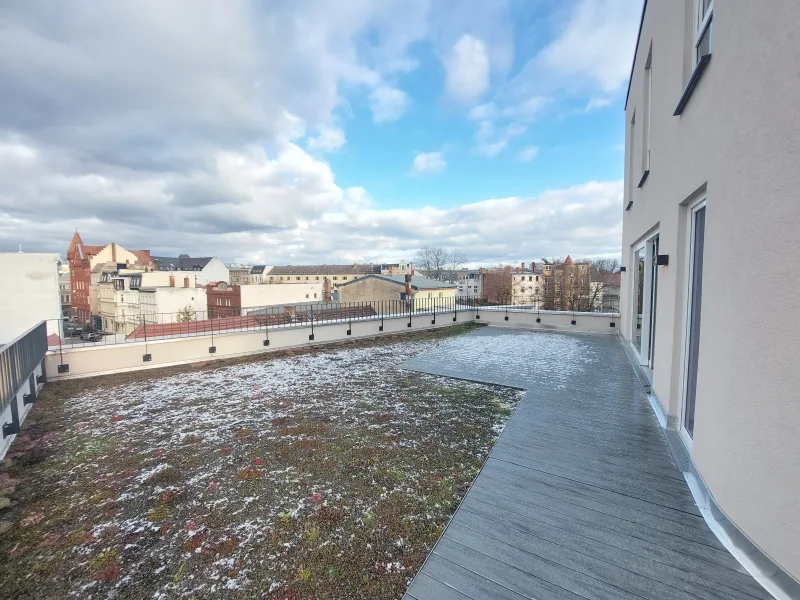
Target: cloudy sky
<point x="296" y="131"/>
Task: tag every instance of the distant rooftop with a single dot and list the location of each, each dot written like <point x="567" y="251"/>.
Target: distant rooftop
<point x="322" y="270"/>
<point x="181" y="263"/>
<point x="418" y="282"/>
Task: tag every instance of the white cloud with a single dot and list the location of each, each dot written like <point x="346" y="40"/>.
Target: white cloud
<point x="594" y="50"/>
<point x="597" y="103"/>
<point x="328" y="140"/>
<point x="528" y="153"/>
<point x="179" y="127"/>
<point x="467" y="69"/>
<point x="284" y="207"/>
<point x="428" y="162"/>
<point x="387" y="104"/>
<point x="490" y="140"/>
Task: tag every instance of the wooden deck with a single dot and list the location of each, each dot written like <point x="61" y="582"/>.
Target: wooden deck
<point x="579" y="498"/>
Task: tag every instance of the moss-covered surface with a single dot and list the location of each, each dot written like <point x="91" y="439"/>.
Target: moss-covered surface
<point x="320" y="473"/>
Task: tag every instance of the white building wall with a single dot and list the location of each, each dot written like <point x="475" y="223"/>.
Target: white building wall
<point x="30" y="293"/>
<point x="736" y="144"/>
<point x="215" y="270"/>
<point x="279" y="293"/>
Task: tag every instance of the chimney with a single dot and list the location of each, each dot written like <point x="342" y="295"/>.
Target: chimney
<point x="408" y="285"/>
<point x="186" y="282"/>
<point x="113" y="252"/>
<point x="171" y="281"/>
<point x="326" y="291"/>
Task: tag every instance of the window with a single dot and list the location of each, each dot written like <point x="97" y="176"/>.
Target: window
<point x="344" y="278"/>
<point x="694" y="306"/>
<point x="297" y="278"/>
<point x="648" y="104"/>
<point x="315" y="294"/>
<point x="702" y="42"/>
<point x="306" y="278"/>
<point x="317" y="278"/>
<point x="306" y="295"/>
<point x="631" y="152"/>
<point x="335" y="277"/>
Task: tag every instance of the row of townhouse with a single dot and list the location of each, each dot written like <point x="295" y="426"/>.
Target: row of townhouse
<point x="97" y="274"/>
<point x="553" y="285"/>
<point x="241" y="274"/>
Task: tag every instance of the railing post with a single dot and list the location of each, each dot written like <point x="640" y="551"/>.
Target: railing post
<point x="311" y="336"/>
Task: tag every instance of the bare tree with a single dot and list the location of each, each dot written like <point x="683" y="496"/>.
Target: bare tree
<point x="435" y="261"/>
<point x="456" y="259"/>
<point x="497" y="287"/>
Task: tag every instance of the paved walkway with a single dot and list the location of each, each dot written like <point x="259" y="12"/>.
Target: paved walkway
<point x="579" y="498"/>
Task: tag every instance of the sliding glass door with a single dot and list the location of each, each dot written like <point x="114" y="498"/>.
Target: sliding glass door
<point x="638" y="298"/>
<point x="645" y="293"/>
<point x="695" y="303"/>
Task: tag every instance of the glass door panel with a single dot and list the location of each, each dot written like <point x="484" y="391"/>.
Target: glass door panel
<point x="695" y="305"/>
<point x="638" y="297"/>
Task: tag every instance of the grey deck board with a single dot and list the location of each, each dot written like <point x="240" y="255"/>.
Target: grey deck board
<point x="580" y="498"/>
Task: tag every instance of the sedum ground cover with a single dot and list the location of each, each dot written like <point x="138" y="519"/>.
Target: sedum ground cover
<point x="316" y="473"/>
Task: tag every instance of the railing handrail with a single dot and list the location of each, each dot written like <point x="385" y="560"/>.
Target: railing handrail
<point x="18" y="359"/>
<point x="231" y="319"/>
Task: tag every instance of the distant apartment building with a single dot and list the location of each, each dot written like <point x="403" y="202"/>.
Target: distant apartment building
<point x="526" y="285"/>
<point x="566" y="285"/>
<point x="421" y="292"/>
<point x="205" y="269"/>
<point x="83" y="258"/>
<point x="259" y="274"/>
<point x="337" y="274"/>
<point x="711" y="192"/>
<point x="239" y="274"/>
<point x="401" y="268"/>
<point x="64" y="291"/>
<point x="469" y="282"/>
<point x="237" y="300"/>
<point x="605" y="292"/>
<point x="129" y="299"/>
<point x="31" y="294"/>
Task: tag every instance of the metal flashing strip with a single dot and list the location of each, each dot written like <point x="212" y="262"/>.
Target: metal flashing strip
<point x="772" y="577"/>
<point x="693" y="81"/>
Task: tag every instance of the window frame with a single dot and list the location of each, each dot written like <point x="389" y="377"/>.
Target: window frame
<point x="688" y="287"/>
<point x="702" y="24"/>
<point x="648" y="112"/>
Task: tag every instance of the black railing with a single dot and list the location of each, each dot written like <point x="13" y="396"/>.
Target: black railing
<point x="18" y="362"/>
<point x="122" y="328"/>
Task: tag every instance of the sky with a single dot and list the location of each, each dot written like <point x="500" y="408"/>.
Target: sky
<point x="299" y="131"/>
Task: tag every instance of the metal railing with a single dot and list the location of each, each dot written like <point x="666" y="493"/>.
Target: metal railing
<point x="122" y="329"/>
<point x="18" y="361"/>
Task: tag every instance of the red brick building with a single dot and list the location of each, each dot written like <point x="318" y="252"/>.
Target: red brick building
<point x="79" y="259"/>
<point x="83" y="258"/>
<point x="223" y="300"/>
